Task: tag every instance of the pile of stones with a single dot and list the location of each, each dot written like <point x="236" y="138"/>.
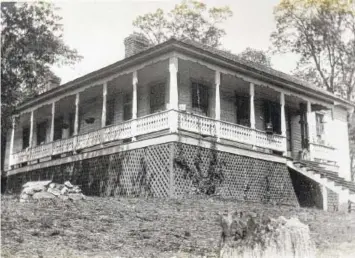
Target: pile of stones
<point x="37" y="190"/>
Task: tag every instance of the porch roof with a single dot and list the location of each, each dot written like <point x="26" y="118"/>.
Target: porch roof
<point x="200" y="51"/>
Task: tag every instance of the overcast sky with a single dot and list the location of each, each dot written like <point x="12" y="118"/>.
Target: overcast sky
<point x="97" y="30"/>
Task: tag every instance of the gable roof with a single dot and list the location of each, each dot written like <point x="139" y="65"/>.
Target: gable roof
<point x="182" y="45"/>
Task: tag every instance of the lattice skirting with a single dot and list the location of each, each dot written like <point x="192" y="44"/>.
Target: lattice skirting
<point x="168" y="170"/>
<point x="333" y="200"/>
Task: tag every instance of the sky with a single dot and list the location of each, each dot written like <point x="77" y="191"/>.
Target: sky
<point x="96" y="29"/>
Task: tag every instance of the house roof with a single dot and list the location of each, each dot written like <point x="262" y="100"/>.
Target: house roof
<point x="184" y="44"/>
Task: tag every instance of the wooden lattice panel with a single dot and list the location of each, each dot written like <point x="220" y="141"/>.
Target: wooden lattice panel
<point x="244" y="178"/>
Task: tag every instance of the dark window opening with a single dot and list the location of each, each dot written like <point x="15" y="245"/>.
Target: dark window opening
<point x="41" y="132"/>
<point x="110" y="111"/>
<point x="25" y="137"/>
<point x="243" y="110"/>
<point x="320" y="125"/>
<point x="58" y="125"/>
<point x="127" y="107"/>
<point x="272" y="116"/>
<point x="200" y="98"/>
<point x="157" y="98"/>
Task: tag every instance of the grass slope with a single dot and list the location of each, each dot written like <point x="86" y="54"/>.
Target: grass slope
<point x="113" y="227"/>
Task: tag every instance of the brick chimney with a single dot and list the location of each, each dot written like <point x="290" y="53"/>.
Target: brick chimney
<point x="135" y="43"/>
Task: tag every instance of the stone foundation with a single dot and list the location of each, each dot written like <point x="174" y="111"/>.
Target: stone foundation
<point x="171" y="169"/>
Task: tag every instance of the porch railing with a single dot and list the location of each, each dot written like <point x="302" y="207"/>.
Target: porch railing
<point x="154" y="123"/>
<point x="322" y="152"/>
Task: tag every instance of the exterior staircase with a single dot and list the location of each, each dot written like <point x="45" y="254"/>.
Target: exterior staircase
<point x="327" y="178"/>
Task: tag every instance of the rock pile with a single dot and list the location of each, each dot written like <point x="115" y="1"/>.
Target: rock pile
<point x="37" y="190"/>
<point x="248" y="234"/>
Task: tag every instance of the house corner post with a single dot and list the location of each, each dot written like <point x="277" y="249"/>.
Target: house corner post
<point x="252" y="114"/>
<point x="309" y="129"/>
<point x="76" y="120"/>
<point x="52" y="122"/>
<point x="283" y="123"/>
<point x="31" y="128"/>
<point x="134" y="104"/>
<point x="104" y="106"/>
<point x="12" y="142"/>
<point x="218" y="104"/>
<point x="173" y="94"/>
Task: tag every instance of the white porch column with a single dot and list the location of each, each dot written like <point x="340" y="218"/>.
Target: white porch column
<point x="52" y="123"/>
<point x="31" y="128"/>
<point x="309" y="128"/>
<point x="104" y="101"/>
<point x="283" y="121"/>
<point x="134" y="105"/>
<point x="218" y="103"/>
<point x="252" y="113"/>
<point x="12" y="140"/>
<point x="76" y="123"/>
<point x="325" y="198"/>
<point x="173" y="94"/>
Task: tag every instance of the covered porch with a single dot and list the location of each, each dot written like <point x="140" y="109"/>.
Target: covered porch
<point x="172" y="95"/>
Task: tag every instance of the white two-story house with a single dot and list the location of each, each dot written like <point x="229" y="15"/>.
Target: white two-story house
<point x="170" y="116"/>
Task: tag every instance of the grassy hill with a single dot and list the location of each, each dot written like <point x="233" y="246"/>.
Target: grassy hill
<point x="133" y="227"/>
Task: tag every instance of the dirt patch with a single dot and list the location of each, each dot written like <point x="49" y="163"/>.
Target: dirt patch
<point x="129" y="227"/>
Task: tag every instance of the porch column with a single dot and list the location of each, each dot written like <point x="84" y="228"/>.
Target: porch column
<point x="309" y="128"/>
<point x="283" y="121"/>
<point x="52" y="123"/>
<point x="12" y="141"/>
<point x="173" y="94"/>
<point x="252" y="114"/>
<point x="134" y="105"/>
<point x="76" y="123"/>
<point x="218" y="104"/>
<point x="31" y="129"/>
<point x="104" y="101"/>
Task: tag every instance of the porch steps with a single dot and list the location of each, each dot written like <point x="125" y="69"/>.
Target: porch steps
<point x="325" y="177"/>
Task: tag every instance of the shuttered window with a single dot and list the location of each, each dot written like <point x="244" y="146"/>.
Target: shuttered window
<point x="127" y="107"/>
<point x="110" y="111"/>
<point x="319" y="125"/>
<point x="243" y="110"/>
<point x="200" y="98"/>
<point x="157" y="98"/>
<point x="41" y="132"/>
<point x="272" y="114"/>
<point x="25" y="137"/>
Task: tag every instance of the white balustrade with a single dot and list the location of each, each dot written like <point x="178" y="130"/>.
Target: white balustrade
<point x="197" y="124"/>
<point x="88" y="139"/>
<point x="63" y="146"/>
<point x="117" y="132"/>
<point x="322" y="152"/>
<point x="20" y="157"/>
<point x="236" y="132"/>
<point x="153" y="123"/>
<point x="41" y="151"/>
<point x="270" y="141"/>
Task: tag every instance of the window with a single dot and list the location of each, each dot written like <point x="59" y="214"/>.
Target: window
<point x="157" y="98"/>
<point x="41" y="132"/>
<point x="25" y="137"/>
<point x="127" y="107"/>
<point x="272" y="115"/>
<point x="110" y="111"/>
<point x="243" y="110"/>
<point x="320" y="125"/>
<point x="200" y="98"/>
<point x="58" y="125"/>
